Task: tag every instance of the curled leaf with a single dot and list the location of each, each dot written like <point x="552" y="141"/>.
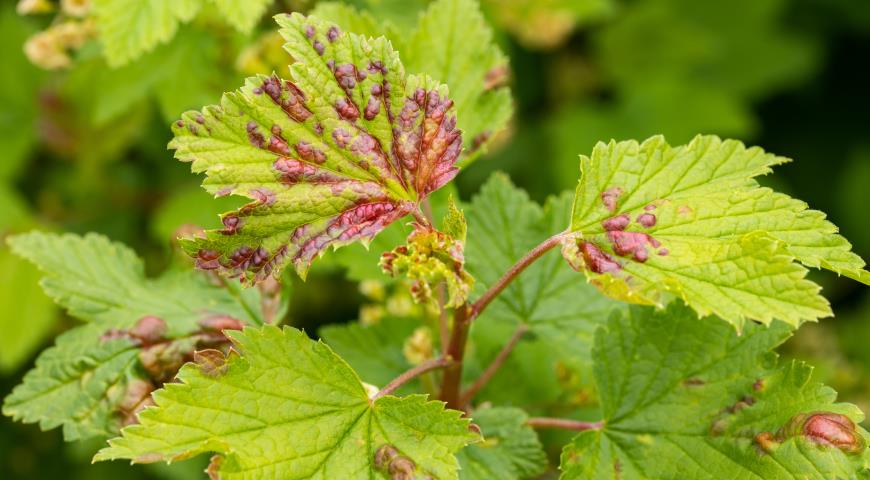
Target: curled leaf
<point x="429" y="258"/>
<point x="349" y="146"/>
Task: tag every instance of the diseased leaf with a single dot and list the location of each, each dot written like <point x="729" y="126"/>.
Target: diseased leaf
<point x="430" y="258"/>
<point x="510" y="449"/>
<point x="129" y="28"/>
<point x="85" y="382"/>
<point x="688" y="399"/>
<point x="503" y="225"/>
<point x="454" y="43"/>
<point x="651" y="222"/>
<point x="288" y="407"/>
<point x="350" y="147"/>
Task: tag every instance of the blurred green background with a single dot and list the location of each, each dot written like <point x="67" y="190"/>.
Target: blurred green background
<point x="82" y="145"/>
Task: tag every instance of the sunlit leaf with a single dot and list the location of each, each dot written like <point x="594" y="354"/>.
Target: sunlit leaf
<point x="350" y="147"/>
<point x="287" y="407"/>
<point x="689" y="399"/>
<point x="651" y="221"/>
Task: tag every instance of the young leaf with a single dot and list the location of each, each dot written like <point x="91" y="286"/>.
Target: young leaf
<point x="331" y="159"/>
<point x="429" y="258"/>
<point x="504" y="224"/>
<point x="288" y="407"/>
<point x="694" y="400"/>
<point x="129" y="28"/>
<point x="651" y="220"/>
<point x="510" y="449"/>
<point x="454" y="43"/>
<point x="81" y="383"/>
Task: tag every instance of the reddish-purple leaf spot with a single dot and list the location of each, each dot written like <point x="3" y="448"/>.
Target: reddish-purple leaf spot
<point x="693" y="382"/>
<point x="617" y="223"/>
<point x="632" y="244"/>
<point x="212" y="362"/>
<point x="254" y="136"/>
<point x="263" y="196"/>
<point x="296" y="171"/>
<point x="596" y="260"/>
<point x="758" y="386"/>
<point x="149" y="330"/>
<point x="663" y="252"/>
<point x="610" y="197"/>
<point x="648" y="220"/>
<point x="219" y="323"/>
<point x="208" y="259"/>
<point x="649" y="208"/>
<point x="288" y="96"/>
<point x="833" y="429"/>
<point x="232" y="224"/>
<point x="309" y="153"/>
<point x="319" y="47"/>
<point x="346" y="109"/>
<point x="137" y="396"/>
<point x="333" y="33"/>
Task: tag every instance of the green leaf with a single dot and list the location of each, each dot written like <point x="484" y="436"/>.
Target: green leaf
<point x="182" y="74"/>
<point x="242" y="14"/>
<point x="288" y="407"/>
<point x="328" y="160"/>
<point x="353" y="20"/>
<point x="81" y="382"/>
<point x="510" y="450"/>
<point x="28" y="315"/>
<point x="129" y="28"/>
<point x="454" y="43"/>
<point x="688" y="399"/>
<point x="430" y="258"/>
<point x="374" y="351"/>
<point x="651" y="221"/>
<point x="504" y="225"/>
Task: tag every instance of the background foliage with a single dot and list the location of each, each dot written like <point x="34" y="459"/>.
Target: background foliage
<point x="82" y="149"/>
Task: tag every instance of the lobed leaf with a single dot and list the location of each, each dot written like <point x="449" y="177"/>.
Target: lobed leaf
<point x="81" y="382"/>
<point x="287" y="407"/>
<point x="129" y="28"/>
<point x="332" y="158"/>
<point x="510" y="449"/>
<point x="454" y="43"/>
<point x="651" y="221"/>
<point x="684" y="399"/>
<point x="503" y="225"/>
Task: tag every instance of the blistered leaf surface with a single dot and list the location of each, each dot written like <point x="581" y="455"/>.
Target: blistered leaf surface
<point x="348" y="147"/>
<point x="81" y="382"/>
<point x="288" y="407"/>
<point x="652" y="221"/>
<point x="689" y="399"/>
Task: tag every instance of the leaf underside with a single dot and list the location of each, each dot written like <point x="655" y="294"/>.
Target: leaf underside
<point x="287" y="407"/>
<point x="651" y="222"/>
<point x="685" y="399"/>
<point x="348" y="147"/>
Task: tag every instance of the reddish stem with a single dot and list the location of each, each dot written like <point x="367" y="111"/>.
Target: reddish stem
<point x="427" y="366"/>
<point x="512" y="273"/>
<point x="564" y="423"/>
<point x="455" y="351"/>
<point x="493" y="367"/>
